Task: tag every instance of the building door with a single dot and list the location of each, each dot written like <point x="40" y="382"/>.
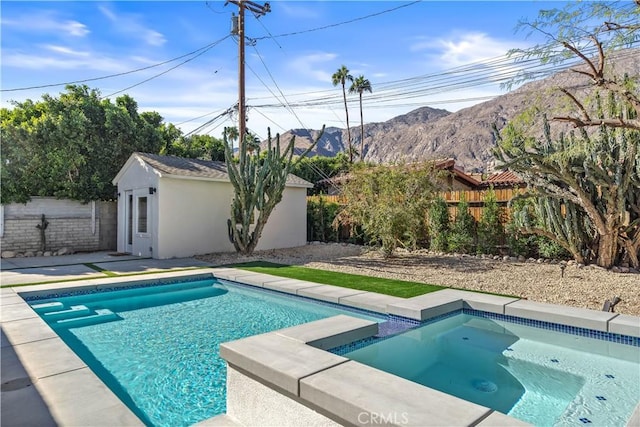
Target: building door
<point x="128" y="218"/>
<point x="140" y="225"/>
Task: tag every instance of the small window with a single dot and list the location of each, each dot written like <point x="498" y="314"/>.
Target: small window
<point x="130" y="219"/>
<point x="142" y="214"/>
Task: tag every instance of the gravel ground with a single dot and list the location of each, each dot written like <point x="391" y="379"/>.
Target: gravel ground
<point x="586" y="287"/>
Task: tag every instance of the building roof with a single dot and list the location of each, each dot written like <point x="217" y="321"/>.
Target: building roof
<point x="505" y="179"/>
<point x="181" y="167"/>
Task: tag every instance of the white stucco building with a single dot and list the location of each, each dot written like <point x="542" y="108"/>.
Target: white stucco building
<point x="176" y="207"/>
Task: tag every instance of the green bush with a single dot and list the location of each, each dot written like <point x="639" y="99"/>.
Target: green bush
<point x="463" y="232"/>
<point x="547" y="248"/>
<point x="320" y="216"/>
<point x="490" y="228"/>
<point x="388" y="203"/>
<point x="439" y="225"/>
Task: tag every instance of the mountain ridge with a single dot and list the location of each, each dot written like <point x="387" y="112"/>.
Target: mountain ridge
<point x="465" y="135"/>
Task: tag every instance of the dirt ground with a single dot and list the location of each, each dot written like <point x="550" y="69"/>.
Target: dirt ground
<point x="586" y="287"/>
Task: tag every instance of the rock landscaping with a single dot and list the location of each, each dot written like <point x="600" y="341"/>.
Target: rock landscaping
<point x="550" y="281"/>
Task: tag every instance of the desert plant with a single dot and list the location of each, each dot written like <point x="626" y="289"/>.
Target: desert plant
<point x="258" y="183"/>
<point x="439" y="223"/>
<point x="463" y="231"/>
<point x="388" y="203"/>
<point x="490" y="229"/>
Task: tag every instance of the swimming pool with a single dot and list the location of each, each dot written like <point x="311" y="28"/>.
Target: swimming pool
<point x="157" y="347"/>
<point x="540" y="376"/>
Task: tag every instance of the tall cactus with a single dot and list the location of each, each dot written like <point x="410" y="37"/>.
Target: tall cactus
<point x="258" y="180"/>
<point x="596" y="177"/>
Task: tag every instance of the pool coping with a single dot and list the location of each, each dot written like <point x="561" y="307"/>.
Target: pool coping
<point x="27" y="341"/>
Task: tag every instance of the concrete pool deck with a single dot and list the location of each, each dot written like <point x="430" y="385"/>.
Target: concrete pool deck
<point x="44" y="383"/>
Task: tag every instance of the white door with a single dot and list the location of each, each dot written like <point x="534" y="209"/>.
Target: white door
<point x="141" y="223"/>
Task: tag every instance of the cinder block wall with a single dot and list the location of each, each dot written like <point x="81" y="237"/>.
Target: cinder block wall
<point x="71" y="225"/>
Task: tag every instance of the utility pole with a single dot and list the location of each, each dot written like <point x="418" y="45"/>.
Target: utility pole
<point x="238" y="30"/>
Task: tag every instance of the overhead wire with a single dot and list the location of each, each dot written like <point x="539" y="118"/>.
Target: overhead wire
<point x="350" y="21"/>
<point x="313" y="167"/>
<point x="199" y="54"/>
<point x="92" y="79"/>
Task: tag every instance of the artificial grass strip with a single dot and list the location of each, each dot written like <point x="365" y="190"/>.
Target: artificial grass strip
<point x="396" y="288"/>
<point x="100" y="269"/>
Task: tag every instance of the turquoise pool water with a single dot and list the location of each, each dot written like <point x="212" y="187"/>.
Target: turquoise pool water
<point x="157" y="347"/>
<point x="540" y="376"/>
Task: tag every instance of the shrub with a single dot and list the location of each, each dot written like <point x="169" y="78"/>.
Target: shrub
<point x="320" y="216"/>
<point x="463" y="232"/>
<point x="490" y="229"/>
<point x="438" y="225"/>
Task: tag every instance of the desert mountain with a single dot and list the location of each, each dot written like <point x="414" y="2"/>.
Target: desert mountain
<point x="466" y="135"/>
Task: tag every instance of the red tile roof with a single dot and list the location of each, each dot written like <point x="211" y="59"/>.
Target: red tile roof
<point x="504" y="178"/>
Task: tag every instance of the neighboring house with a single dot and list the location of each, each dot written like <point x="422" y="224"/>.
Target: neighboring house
<point x="504" y="179"/>
<point x="177" y="207"/>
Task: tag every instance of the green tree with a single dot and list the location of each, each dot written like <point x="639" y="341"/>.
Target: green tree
<point x="203" y="147"/>
<point x="490" y="228"/>
<point x="341" y="77"/>
<point x="439" y="225"/>
<point x="320" y="217"/>
<point x="317" y="168"/>
<point x="589" y="32"/>
<point x="231" y="134"/>
<point x="586" y="191"/>
<point x="389" y="203"/>
<point x="71" y="146"/>
<point x="258" y="181"/>
<point x="360" y="85"/>
<point x="463" y="232"/>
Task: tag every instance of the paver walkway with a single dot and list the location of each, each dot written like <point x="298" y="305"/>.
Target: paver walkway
<point x="18" y="271"/>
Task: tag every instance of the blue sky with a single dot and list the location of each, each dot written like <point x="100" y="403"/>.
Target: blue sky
<point x="403" y="52"/>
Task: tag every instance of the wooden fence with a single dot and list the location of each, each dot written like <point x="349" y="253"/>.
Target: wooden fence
<point x="475" y="198"/>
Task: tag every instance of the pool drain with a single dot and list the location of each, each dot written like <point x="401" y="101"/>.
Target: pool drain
<point x="484" y="386"/>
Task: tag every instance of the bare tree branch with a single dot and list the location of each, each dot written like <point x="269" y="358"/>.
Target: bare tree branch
<point x="615" y="123"/>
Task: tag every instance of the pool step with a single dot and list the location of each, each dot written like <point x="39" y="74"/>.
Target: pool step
<point x="101" y="315"/>
<point x="73" y="311"/>
<point x="47" y="307"/>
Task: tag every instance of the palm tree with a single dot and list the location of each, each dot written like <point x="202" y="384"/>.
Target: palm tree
<point x="232" y="135"/>
<point x="341" y="76"/>
<point x="360" y="84"/>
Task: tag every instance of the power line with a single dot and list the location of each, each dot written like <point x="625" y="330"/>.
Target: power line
<point x="210" y="45"/>
<point x="170" y="69"/>
<point x="295" y="33"/>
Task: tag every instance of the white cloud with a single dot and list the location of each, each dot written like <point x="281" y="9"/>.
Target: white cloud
<point x="44" y="21"/>
<point x="463" y="49"/>
<point x="312" y="66"/>
<point x="131" y="25"/>
<point x="41" y="62"/>
<point x="65" y="50"/>
<point x="298" y="11"/>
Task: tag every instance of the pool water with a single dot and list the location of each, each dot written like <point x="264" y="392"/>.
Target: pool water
<point x="157" y="347"/>
<point x="540" y="376"/>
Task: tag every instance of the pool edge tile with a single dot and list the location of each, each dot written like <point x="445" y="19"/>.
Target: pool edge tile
<point x="277" y="359"/>
<point x="352" y="389"/>
<point x="625" y="324"/>
<point x="328" y="293"/>
<point x="553" y="313"/>
<point x="331" y="332"/>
